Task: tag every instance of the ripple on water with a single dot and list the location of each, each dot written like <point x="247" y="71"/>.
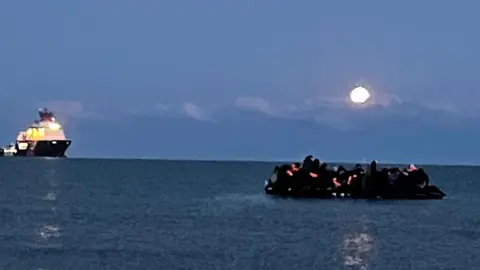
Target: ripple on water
<point x="231" y="203"/>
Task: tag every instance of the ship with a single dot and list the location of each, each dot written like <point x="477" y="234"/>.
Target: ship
<point x="43" y="138"/>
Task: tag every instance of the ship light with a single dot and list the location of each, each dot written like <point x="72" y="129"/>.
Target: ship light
<point x="22" y="145"/>
<point x="54" y="126"/>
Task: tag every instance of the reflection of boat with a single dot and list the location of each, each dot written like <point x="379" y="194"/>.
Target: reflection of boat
<point x="44" y="138"/>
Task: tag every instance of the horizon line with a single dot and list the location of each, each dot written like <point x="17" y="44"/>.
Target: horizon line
<point x="246" y="160"/>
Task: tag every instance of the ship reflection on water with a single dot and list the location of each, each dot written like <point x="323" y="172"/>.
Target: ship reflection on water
<point x="48" y="233"/>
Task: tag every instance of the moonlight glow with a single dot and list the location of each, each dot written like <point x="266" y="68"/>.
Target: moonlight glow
<point x="359" y="95"/>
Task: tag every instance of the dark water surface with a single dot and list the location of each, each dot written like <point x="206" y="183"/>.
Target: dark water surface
<point x="106" y="214"/>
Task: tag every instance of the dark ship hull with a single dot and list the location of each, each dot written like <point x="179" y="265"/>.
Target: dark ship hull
<point x="42" y="148"/>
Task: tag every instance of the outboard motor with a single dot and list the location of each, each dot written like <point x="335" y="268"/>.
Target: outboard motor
<point x="273" y="179"/>
<point x="270" y="183"/>
<point x="277" y="182"/>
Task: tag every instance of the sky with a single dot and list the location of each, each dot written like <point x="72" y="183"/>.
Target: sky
<point x="262" y="80"/>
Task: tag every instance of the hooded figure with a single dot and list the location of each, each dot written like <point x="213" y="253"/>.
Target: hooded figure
<point x="308" y="163"/>
<point x="368" y="183"/>
<point x="316" y="164"/>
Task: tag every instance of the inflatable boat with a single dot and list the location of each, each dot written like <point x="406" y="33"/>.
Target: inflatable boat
<point x="300" y="184"/>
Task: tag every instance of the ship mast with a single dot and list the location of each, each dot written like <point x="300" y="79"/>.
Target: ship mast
<point x="46" y="115"/>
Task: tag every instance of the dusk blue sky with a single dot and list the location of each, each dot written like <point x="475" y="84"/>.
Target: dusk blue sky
<point x="246" y="79"/>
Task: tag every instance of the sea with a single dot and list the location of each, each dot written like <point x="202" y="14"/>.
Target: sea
<point x="153" y="214"/>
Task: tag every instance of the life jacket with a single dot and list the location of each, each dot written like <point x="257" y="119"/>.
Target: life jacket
<point x="411" y="168"/>
<point x="350" y="178"/>
<point x="335" y="179"/>
<point x="294" y="168"/>
<point x="335" y="182"/>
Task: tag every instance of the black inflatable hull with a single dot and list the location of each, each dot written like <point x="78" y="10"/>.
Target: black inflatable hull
<point x="427" y="193"/>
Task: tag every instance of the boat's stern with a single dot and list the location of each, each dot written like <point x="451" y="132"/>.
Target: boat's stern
<point x="9" y="150"/>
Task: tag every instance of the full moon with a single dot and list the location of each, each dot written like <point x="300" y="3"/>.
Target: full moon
<point x="359" y="95"/>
